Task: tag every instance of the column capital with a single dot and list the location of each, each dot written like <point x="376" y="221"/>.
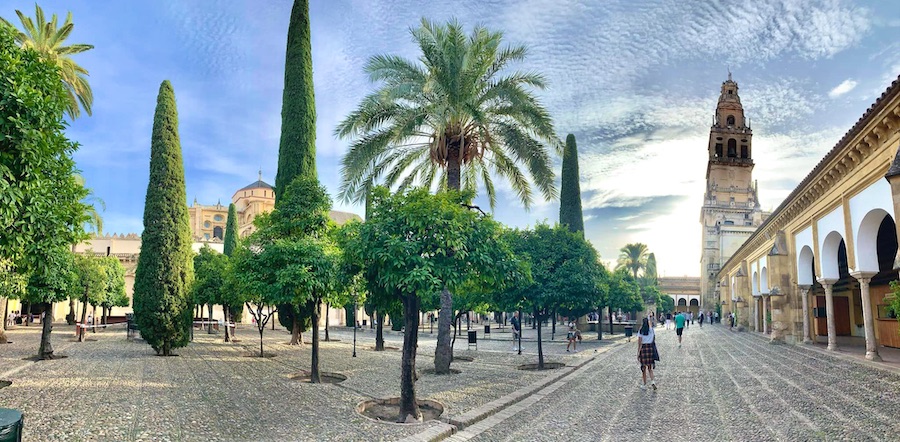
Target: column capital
<point x="804" y="286"/>
<point x="827" y="281"/>
<point x="863" y="275"/>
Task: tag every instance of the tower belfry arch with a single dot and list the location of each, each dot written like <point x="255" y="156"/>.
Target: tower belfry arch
<point x="731" y="210"/>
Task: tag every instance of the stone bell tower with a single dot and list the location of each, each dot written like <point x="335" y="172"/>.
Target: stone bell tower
<point x="731" y="211"/>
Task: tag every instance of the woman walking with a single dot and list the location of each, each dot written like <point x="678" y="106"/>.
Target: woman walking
<point x="647" y="354"/>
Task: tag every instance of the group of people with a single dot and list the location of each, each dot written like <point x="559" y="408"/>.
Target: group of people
<point x="17" y="318"/>
<point x="573" y="336"/>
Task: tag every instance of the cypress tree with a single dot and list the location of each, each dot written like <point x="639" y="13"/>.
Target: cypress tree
<point x="297" y="149"/>
<point x="162" y="304"/>
<point x="570" y="193"/>
<point x="231" y="240"/>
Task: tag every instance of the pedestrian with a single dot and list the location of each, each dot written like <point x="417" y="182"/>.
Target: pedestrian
<point x="679" y="326"/>
<point x="700" y="320"/>
<point x="669" y="321"/>
<point x="731" y="319"/>
<point x="647" y="353"/>
<point x="572" y="337"/>
<point x="516" y="329"/>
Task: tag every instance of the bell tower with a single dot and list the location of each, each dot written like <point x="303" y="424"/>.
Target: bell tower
<point x="731" y="211"/>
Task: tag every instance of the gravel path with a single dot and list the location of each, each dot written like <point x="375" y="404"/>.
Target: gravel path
<point x="113" y="389"/>
<point x="718" y="386"/>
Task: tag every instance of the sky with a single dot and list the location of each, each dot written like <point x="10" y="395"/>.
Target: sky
<point x="636" y="81"/>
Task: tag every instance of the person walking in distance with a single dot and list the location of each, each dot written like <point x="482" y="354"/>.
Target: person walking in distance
<point x="647" y="353"/>
<point x="700" y="318"/>
<point x="516" y="329"/>
<point x="679" y="326"/>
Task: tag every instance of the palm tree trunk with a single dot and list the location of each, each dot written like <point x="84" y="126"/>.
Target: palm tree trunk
<point x="444" y="353"/>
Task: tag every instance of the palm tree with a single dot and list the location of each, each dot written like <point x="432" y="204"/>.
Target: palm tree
<point x="94" y="220"/>
<point x="450" y="119"/>
<point x="47" y="39"/>
<point x="633" y="257"/>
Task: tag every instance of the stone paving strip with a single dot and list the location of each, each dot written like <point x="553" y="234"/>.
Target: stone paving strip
<point x="719" y="386"/>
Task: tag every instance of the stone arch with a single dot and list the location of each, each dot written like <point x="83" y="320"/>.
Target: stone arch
<point x="764" y="280"/>
<point x="867" y="240"/>
<point x="695" y="303"/>
<point x="829" y="261"/>
<point x="805" y="275"/>
<point x="682" y="302"/>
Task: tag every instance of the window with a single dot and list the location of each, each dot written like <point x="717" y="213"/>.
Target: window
<point x="206" y="235"/>
<point x="218" y="218"/>
<point x="206" y="224"/>
<point x="745" y="152"/>
<point x="729" y="92"/>
<point x="732" y="148"/>
<point x="217" y="232"/>
<point x="730" y="120"/>
<point x="729" y="222"/>
<point x="718" y="150"/>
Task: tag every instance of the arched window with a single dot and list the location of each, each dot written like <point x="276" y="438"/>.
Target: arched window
<point x="218" y="218"/>
<point x="730" y="120"/>
<point x="732" y="148"/>
<point x="718" y="150"/>
<point x="745" y="152"/>
<point x="217" y="232"/>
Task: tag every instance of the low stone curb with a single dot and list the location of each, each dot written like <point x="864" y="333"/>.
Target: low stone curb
<point x="479" y="414"/>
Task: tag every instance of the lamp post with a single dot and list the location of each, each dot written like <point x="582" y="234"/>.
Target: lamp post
<point x="355" y="308"/>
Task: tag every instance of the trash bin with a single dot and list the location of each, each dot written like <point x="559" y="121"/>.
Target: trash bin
<point x="11" y="423"/>
<point x="487" y="331"/>
<point x="473" y="339"/>
<point x="629" y="330"/>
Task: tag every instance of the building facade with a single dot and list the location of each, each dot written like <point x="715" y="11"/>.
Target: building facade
<point x="731" y="210"/>
<point x="684" y="290"/>
<point x="208" y="222"/>
<point x="819" y="268"/>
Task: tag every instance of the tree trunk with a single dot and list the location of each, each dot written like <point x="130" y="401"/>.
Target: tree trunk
<point x="455" y="332"/>
<point x="26" y="319"/>
<point x="409" y="408"/>
<point x="327" y="310"/>
<point x="70" y="317"/>
<point x="94" y="318"/>
<point x="83" y="316"/>
<point x="46" y="349"/>
<point x="314" y="366"/>
<point x="379" y="330"/>
<point x="553" y="329"/>
<point x="261" y="328"/>
<point x="209" y="329"/>
<point x="295" y="329"/>
<point x="454" y="168"/>
<point x="599" y="328"/>
<point x="225" y="315"/>
<point x="610" y="321"/>
<point x="444" y="353"/>
<point x="5" y="302"/>
<point x="538" y="318"/>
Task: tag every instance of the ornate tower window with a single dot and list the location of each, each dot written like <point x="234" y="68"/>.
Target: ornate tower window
<point x="732" y="148"/>
<point x="730" y="120"/>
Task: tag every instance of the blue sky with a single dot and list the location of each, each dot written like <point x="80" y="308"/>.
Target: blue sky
<point x="635" y="80"/>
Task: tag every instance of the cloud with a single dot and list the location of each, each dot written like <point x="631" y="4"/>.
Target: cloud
<point x="841" y="89"/>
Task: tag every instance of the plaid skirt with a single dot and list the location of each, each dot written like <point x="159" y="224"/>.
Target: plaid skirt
<point x="649" y="355"/>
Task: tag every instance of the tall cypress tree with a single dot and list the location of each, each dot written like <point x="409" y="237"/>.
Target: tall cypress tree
<point x="297" y="149"/>
<point x="165" y="269"/>
<point x="570" y="194"/>
<point x="231" y="231"/>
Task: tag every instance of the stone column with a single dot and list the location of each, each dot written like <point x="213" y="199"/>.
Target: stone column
<point x="765" y="311"/>
<point x="864" y="279"/>
<point x="804" y="297"/>
<point x="753" y="311"/>
<point x="828" y="284"/>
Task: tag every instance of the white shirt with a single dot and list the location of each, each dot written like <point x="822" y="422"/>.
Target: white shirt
<point x="649" y="338"/>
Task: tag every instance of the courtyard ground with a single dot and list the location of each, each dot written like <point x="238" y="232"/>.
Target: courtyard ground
<point x="720" y="385"/>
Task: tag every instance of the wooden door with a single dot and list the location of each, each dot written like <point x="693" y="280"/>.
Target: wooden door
<point x="842" y="316"/>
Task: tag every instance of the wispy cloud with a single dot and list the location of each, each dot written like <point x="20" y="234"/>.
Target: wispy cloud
<point x="841" y="89"/>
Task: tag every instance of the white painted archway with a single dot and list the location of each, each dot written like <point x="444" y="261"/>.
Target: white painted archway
<point x="804" y="266"/>
<point x="764" y="280"/>
<point x="867" y="240"/>
<point x="829" y="261"/>
<point x="754" y="284"/>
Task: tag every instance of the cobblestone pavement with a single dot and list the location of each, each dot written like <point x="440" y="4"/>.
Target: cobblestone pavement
<point x="719" y="385"/>
<point x="111" y="389"/>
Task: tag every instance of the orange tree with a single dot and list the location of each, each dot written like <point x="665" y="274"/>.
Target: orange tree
<point x="416" y="244"/>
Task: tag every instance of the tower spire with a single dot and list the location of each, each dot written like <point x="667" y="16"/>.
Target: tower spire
<point x="260" y="174"/>
<point x="729" y="73"/>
